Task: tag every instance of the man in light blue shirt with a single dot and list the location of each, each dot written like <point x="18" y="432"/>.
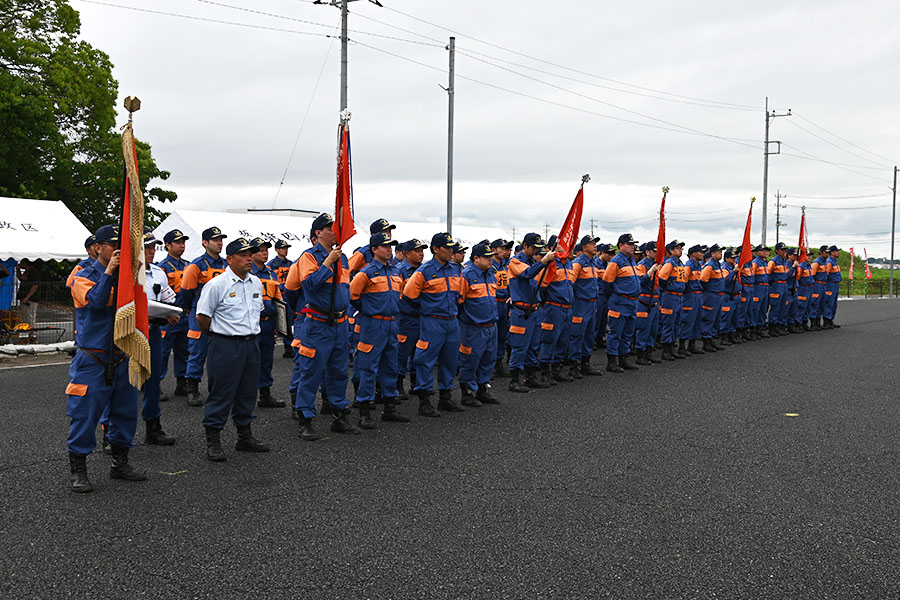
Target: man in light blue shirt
<point x="228" y="310"/>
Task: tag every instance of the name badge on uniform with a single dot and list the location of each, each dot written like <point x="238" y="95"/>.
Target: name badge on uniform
<point x="231" y="295"/>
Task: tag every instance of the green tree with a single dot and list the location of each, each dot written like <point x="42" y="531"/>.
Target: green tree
<point x="58" y="137"/>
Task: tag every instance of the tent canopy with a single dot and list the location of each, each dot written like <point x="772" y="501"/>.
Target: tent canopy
<point x="40" y="229"/>
<point x="295" y="230"/>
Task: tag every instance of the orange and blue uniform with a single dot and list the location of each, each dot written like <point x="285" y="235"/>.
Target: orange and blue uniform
<point x="647" y="321"/>
<point x="271" y="291"/>
<point x="819" y="268"/>
<point x="556" y="322"/>
<point x="198" y="273"/>
<point x="622" y="292"/>
<point x="803" y="303"/>
<point x="748" y="283"/>
<point x="585" y="290"/>
<point x="408" y="328"/>
<point x="601" y="319"/>
<point x="692" y="302"/>
<point x="832" y="288"/>
<point x="501" y="274"/>
<point x="375" y="293"/>
<point x="760" y="307"/>
<point x="477" y="326"/>
<point x="672" y="281"/>
<point x="712" y="278"/>
<point x="732" y="299"/>
<point x="524" y="272"/>
<point x="282" y="266"/>
<point x="174" y="337"/>
<point x="778" y="269"/>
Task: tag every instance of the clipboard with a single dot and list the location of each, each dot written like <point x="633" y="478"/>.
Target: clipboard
<point x="281" y="318"/>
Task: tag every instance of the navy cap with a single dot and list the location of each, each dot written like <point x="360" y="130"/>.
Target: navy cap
<point x="518" y="248"/>
<point x="792" y="251"/>
<point x="731" y="252"/>
<point x="715" y="248"/>
<point x="459" y="248"/>
<point x="823" y="248"/>
<point x="482" y="249"/>
<point x="501" y="243"/>
<point x="213" y="233"/>
<point x="381" y="225"/>
<point x="443" y="240"/>
<point x="608" y="248"/>
<point x="780" y="246"/>
<point x="90" y="241"/>
<point x="240" y="245"/>
<point x="578" y="248"/>
<point x="639" y="249"/>
<point x="415" y="244"/>
<point x="589" y="239"/>
<point x="174" y="236"/>
<point x="649" y="246"/>
<point x="259" y="243"/>
<point x="833" y="249"/>
<point x="695" y="248"/>
<point x="704" y="248"/>
<point x="281" y="244"/>
<point x="150" y="239"/>
<point x="674" y="244"/>
<point x="382" y="238"/>
<point x="321" y="222"/>
<point x="107" y="233"/>
<point x="760" y="247"/>
<point x="533" y="239"/>
<point x="626" y="238"/>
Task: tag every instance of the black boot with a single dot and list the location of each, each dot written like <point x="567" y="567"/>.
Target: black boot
<point x="181" y="386"/>
<point x="307" y="429"/>
<point x="120" y="468"/>
<point x="625" y="363"/>
<point x="163" y="396"/>
<point x="773" y="330"/>
<point x="155" y="434"/>
<point x="214" y="445"/>
<point x="642" y="359"/>
<point x="78" y="468"/>
<point x="735" y="338"/>
<point x="365" y="415"/>
<point x="650" y="356"/>
<point x="559" y="374"/>
<point x="326" y="409"/>
<point x="517" y="382"/>
<point x="533" y="378"/>
<point x="545" y="373"/>
<point x="667" y="353"/>
<point x="681" y="351"/>
<point x="468" y="397"/>
<point x="292" y="407"/>
<point x="107" y="448"/>
<point x="340" y="423"/>
<point x="589" y="370"/>
<point x="722" y="341"/>
<point x="485" y="394"/>
<point x="425" y="407"/>
<point x="501" y="369"/>
<point x="389" y="412"/>
<point x="762" y="331"/>
<point x="708" y="346"/>
<point x="401" y="389"/>
<point x="445" y="401"/>
<point x="815" y="326"/>
<point x="612" y="364"/>
<point x="575" y="370"/>
<point x="267" y="401"/>
<point x="247" y="443"/>
<point x="693" y="349"/>
<point x="194" y="398"/>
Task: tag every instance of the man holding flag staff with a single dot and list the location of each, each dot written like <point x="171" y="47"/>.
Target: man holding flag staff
<point x="624" y="287"/>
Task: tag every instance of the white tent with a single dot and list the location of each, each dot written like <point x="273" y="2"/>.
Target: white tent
<point x="40" y="229"/>
<point x="295" y="230"/>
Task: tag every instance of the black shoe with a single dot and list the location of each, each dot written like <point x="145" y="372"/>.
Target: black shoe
<point x="834" y="325"/>
<point x="588" y="370"/>
<point x="721" y="341"/>
<point x="266" y="400"/>
<point x="667" y="353"/>
<point x="693" y="349"/>
<point x="762" y="332"/>
<point x="78" y="468"/>
<point x="401" y="389"/>
<point x="120" y="468"/>
<point x="155" y="434"/>
<point x="468" y="397"/>
<point x="247" y="443"/>
<point x="307" y="429"/>
<point x="181" y="387"/>
<point x="681" y="351"/>
<point x="214" y="445"/>
<point x="107" y="448"/>
<point x="193" y="397"/>
<point x="288" y="352"/>
<point x="326" y="408"/>
<point x="626" y="364"/>
<point x="389" y="412"/>
<point x="365" y="416"/>
<point x="612" y="364"/>
<point x="650" y="356"/>
<point x="517" y="382"/>
<point x="643" y="360"/>
<point x="575" y="370"/>
<point x="485" y="394"/>
<point x="445" y="402"/>
<point x="533" y="378"/>
<point x="163" y="397"/>
<point x="293" y="404"/>
<point x="501" y="369"/>
<point x="708" y="346"/>
<point x="341" y="424"/>
<point x="559" y="374"/>
<point x="425" y="407"/>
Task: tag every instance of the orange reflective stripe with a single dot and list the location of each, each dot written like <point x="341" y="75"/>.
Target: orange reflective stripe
<point x="642" y="315"/>
<point x="687" y="308"/>
<point x="76" y="389"/>
<point x="516" y="329"/>
<point x="401" y="338"/>
<point x="774" y="295"/>
<point x="413" y="287"/>
<point x="828" y="293"/>
<point x="666" y="311"/>
<point x="162" y="333"/>
<point x="815" y="296"/>
<point x="755" y="299"/>
<point x="422" y="345"/>
<point x="547" y="326"/>
<point x="296" y="344"/>
<point x="577" y="319"/>
<point x="801" y="297"/>
<point x="307" y="352"/>
<point x="194" y="335"/>
<point x="465" y="349"/>
<point x="726" y="308"/>
<point x="614" y="314"/>
<point x="707" y="308"/>
<point x="364" y="347"/>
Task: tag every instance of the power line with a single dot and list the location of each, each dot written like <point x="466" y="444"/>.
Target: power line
<point x="836" y="207"/>
<point x="829" y="142"/>
<point x="838" y="197"/>
<point x="890" y="160"/>
<point x="828" y="162"/>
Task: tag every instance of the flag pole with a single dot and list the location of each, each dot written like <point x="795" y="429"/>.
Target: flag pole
<point x="661" y="237"/>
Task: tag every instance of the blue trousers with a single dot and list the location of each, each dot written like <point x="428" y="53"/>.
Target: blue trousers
<point x="150" y="408"/>
<point x="621" y="325"/>
<point x="710" y="314"/>
<point x="745" y="310"/>
<point x="731" y="317"/>
<point x="232" y="370"/>
<point x="477" y="354"/>
<point x="776" y="302"/>
<point x="321" y="356"/>
<point x="759" y="308"/>
<point x="502" y="329"/>
<point x="174" y="339"/>
<point x="297" y="329"/>
<point x="817" y="300"/>
<point x="555" y="328"/>
<point x="800" y="308"/>
<point x="669" y="317"/>
<point x="265" y="339"/>
<point x="88" y="396"/>
<point x="521" y="335"/>
<point x="646" y="326"/>
<point x="376" y="358"/>
<point x="583" y="331"/>
<point x="438" y="345"/>
<point x="829" y="306"/>
<point x="690" y="316"/>
<point x="197" y="347"/>
<point x="407" y="336"/>
<point x="602" y="318"/>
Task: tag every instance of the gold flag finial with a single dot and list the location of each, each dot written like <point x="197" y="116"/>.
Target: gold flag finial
<point x="665" y="189"/>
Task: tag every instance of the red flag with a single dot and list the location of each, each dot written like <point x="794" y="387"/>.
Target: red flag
<point x="803" y="245"/>
<point x="868" y="270"/>
<point x="746" y="252"/>
<point x="568" y="235"/>
<point x="343" y="227"/>
<point x="661" y="237"/>
<point x="131" y="331"/>
<point x="850" y="274"/>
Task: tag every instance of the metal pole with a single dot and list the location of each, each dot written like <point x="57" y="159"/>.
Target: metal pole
<point x="450" y="94"/>
<point x="765" y="202"/>
<point x="777" y="215"/>
<point x="344" y="14"/>
<point x="893" y="228"/>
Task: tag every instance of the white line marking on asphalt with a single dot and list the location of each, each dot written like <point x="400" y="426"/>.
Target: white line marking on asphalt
<point x="31" y="366"/>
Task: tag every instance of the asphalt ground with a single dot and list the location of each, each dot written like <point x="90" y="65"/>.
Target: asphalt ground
<point x="684" y="480"/>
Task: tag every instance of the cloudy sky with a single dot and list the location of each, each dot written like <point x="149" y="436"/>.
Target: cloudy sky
<point x="640" y="95"/>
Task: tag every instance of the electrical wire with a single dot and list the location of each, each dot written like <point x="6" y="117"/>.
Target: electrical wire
<point x="829" y="142"/>
<point x="796" y="114"/>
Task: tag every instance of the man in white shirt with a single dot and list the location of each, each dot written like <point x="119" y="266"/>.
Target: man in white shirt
<point x="228" y="310"/>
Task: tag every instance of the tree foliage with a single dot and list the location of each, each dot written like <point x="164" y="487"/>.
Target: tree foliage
<point x="58" y="137"/>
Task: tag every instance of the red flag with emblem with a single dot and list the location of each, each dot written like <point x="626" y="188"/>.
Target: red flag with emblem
<point x="803" y="245"/>
<point x="343" y="227"/>
<point x="131" y="331"/>
<point x="746" y="252"/>
<point x="568" y="235"/>
<point x="868" y="270"/>
<point x="661" y="237"/>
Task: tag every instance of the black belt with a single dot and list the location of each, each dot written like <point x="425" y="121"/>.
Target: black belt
<point x="238" y="338"/>
<point x="93" y="354"/>
<point x="335" y="314"/>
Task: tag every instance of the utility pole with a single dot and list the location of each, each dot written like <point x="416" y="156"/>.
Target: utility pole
<point x="450" y="94"/>
<point x="778" y="207"/>
<point x="514" y="233"/>
<point x="593" y="220"/>
<point x="893" y="228"/>
<point x="546" y="231"/>
<point x="766" y="153"/>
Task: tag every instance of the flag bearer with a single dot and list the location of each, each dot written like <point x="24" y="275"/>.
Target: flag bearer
<point x="712" y="279"/>
<point x="832" y="288"/>
<point x="819" y="268"/>
<point x="778" y="269"/>
<point x="624" y="287"/>
<point x="805" y="283"/>
<point x="731" y="307"/>
<point x="174" y="337"/>
<point x="689" y="331"/>
<point x="266" y="338"/>
<point x="500" y="264"/>
<point x="88" y="391"/>
<point x="281" y="264"/>
<point x="672" y="281"/>
<point x="745" y="314"/>
<point x="760" y="290"/>
<point x="604" y="255"/>
<point x="375" y="293"/>
<point x="478" y="328"/>
<point x="556" y="322"/>
<point x="647" y="316"/>
<point x="791" y="301"/>
<point x="584" y="309"/>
